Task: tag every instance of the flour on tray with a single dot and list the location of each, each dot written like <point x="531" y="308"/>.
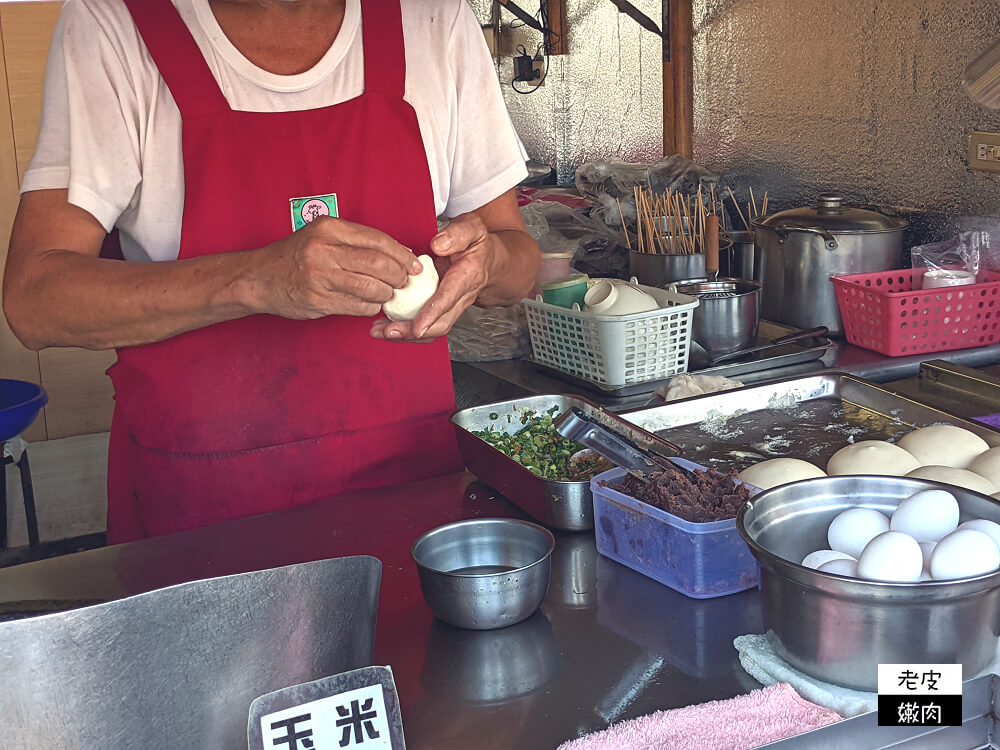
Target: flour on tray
<point x="717" y="424"/>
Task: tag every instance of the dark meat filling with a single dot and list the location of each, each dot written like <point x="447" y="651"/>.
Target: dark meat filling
<point x="713" y="496"/>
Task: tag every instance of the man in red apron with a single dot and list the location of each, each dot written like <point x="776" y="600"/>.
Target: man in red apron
<point x="220" y="413"/>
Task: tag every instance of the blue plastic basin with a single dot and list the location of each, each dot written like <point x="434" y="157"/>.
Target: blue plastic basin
<point x="20" y="403"/>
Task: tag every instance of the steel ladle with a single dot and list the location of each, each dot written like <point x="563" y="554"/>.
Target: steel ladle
<point x="576" y="425"/>
<point x="700" y="359"/>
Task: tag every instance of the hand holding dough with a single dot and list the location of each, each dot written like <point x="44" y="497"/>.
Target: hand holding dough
<point x="407" y="302"/>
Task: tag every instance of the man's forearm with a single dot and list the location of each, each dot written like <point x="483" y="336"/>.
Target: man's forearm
<point x="65" y="298"/>
<point x="515" y="262"/>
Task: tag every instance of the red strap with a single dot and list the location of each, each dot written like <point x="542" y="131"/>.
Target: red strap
<point x="195" y="89"/>
<point x="177" y="57"/>
<point x="385" y="56"/>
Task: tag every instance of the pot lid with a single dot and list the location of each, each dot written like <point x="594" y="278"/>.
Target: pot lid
<point x="832" y="214"/>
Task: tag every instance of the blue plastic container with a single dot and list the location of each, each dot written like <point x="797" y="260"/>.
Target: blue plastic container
<point x="701" y="560"/>
<point x="20" y="403"/>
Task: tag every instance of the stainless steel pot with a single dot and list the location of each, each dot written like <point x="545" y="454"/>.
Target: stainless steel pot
<point x="802" y="248"/>
<point x="726" y="319"/>
<point x="840" y="629"/>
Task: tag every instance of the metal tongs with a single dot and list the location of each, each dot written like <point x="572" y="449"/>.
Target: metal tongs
<point x="577" y="425"/>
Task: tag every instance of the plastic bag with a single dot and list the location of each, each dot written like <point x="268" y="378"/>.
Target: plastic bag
<point x="598" y="250"/>
<point x="489" y="334"/>
<point x="608" y="183"/>
<point x="962" y="253"/>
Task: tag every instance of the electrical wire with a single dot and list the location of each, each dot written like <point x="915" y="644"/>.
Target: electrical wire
<point x="543" y="18"/>
<point x="520" y="48"/>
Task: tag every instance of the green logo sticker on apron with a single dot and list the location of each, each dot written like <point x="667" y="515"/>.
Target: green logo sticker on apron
<point x="305" y="210"/>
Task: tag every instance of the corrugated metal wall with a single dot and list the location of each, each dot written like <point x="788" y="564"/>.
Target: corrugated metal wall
<point x="863" y="96"/>
<point x="604" y="99"/>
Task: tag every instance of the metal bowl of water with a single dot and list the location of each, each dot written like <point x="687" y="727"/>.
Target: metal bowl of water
<point x="840" y="629"/>
<point x="484" y="573"/>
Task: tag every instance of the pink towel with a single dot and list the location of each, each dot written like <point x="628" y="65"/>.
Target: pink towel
<point x="740" y="723"/>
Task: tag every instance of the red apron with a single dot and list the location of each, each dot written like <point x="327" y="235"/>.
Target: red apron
<point x="264" y="413"/>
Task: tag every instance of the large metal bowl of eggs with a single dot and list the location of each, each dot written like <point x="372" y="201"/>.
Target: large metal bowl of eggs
<point x="858" y="571"/>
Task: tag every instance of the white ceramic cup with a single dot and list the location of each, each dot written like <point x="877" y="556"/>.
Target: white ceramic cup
<point x="607" y="297"/>
<point x="940" y="277"/>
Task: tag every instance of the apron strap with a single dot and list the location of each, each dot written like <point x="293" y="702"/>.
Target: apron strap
<point x="385" y="55"/>
<point x="178" y="58"/>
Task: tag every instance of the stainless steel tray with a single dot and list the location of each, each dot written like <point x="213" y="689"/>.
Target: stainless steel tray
<point x="809" y="418"/>
<point x="559" y="504"/>
<point x="978" y="730"/>
<point x="795" y="353"/>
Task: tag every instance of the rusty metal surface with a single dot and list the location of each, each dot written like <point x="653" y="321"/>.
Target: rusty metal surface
<point x="801" y="96"/>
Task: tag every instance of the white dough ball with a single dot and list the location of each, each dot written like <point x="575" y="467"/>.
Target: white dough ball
<point x="964" y="553"/>
<point x="407" y="302"/>
<point x="927" y="516"/>
<point x="987" y="464"/>
<point x="871" y="457"/>
<point x="777" y="471"/>
<point x="822" y="556"/>
<point x="943" y="445"/>
<point x="852" y="529"/>
<point x="955" y="477"/>
<point x="892" y="556"/>
<point x="843" y="567"/>
<point x="991" y="529"/>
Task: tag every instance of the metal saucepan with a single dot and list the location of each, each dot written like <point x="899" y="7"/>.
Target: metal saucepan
<point x="727" y="317"/>
<point x="839" y="629"/>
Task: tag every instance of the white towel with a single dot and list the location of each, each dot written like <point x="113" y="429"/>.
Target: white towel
<point x="764" y="665"/>
<point x="15" y="448"/>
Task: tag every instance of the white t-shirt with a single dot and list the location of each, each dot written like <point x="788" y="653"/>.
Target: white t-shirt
<point x="111" y="131"/>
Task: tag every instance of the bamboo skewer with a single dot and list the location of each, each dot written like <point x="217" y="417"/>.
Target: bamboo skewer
<point x="625" y="227"/>
<point x="738" y="211"/>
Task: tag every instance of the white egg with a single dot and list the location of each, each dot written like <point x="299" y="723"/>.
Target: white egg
<point x="991" y="529"/>
<point x="927" y="548"/>
<point x="927" y="516"/>
<point x="853" y="529"/>
<point x="843" y="567"/>
<point x="892" y="556"/>
<point x="964" y="553"/>
<point x="821" y="556"/>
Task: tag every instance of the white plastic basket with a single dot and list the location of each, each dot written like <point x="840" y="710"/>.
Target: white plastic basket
<point x="614" y="350"/>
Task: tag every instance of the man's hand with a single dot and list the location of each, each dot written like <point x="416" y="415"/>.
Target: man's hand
<point x="330" y="267"/>
<point x="465" y="255"/>
<point x="485" y="257"/>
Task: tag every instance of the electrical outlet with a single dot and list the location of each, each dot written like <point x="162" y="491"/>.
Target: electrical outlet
<point x="984" y="151"/>
<point x="538" y="63"/>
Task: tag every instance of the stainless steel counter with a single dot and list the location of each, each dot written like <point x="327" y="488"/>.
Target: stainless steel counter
<point x="607" y="644"/>
<point x="514" y="378"/>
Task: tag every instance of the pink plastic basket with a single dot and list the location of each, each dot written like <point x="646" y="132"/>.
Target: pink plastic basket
<point x="889" y="313"/>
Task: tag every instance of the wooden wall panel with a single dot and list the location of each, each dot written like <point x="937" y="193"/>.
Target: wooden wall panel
<point x="79" y="392"/>
<point x="27" y="33"/>
<point x="15" y="361"/>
